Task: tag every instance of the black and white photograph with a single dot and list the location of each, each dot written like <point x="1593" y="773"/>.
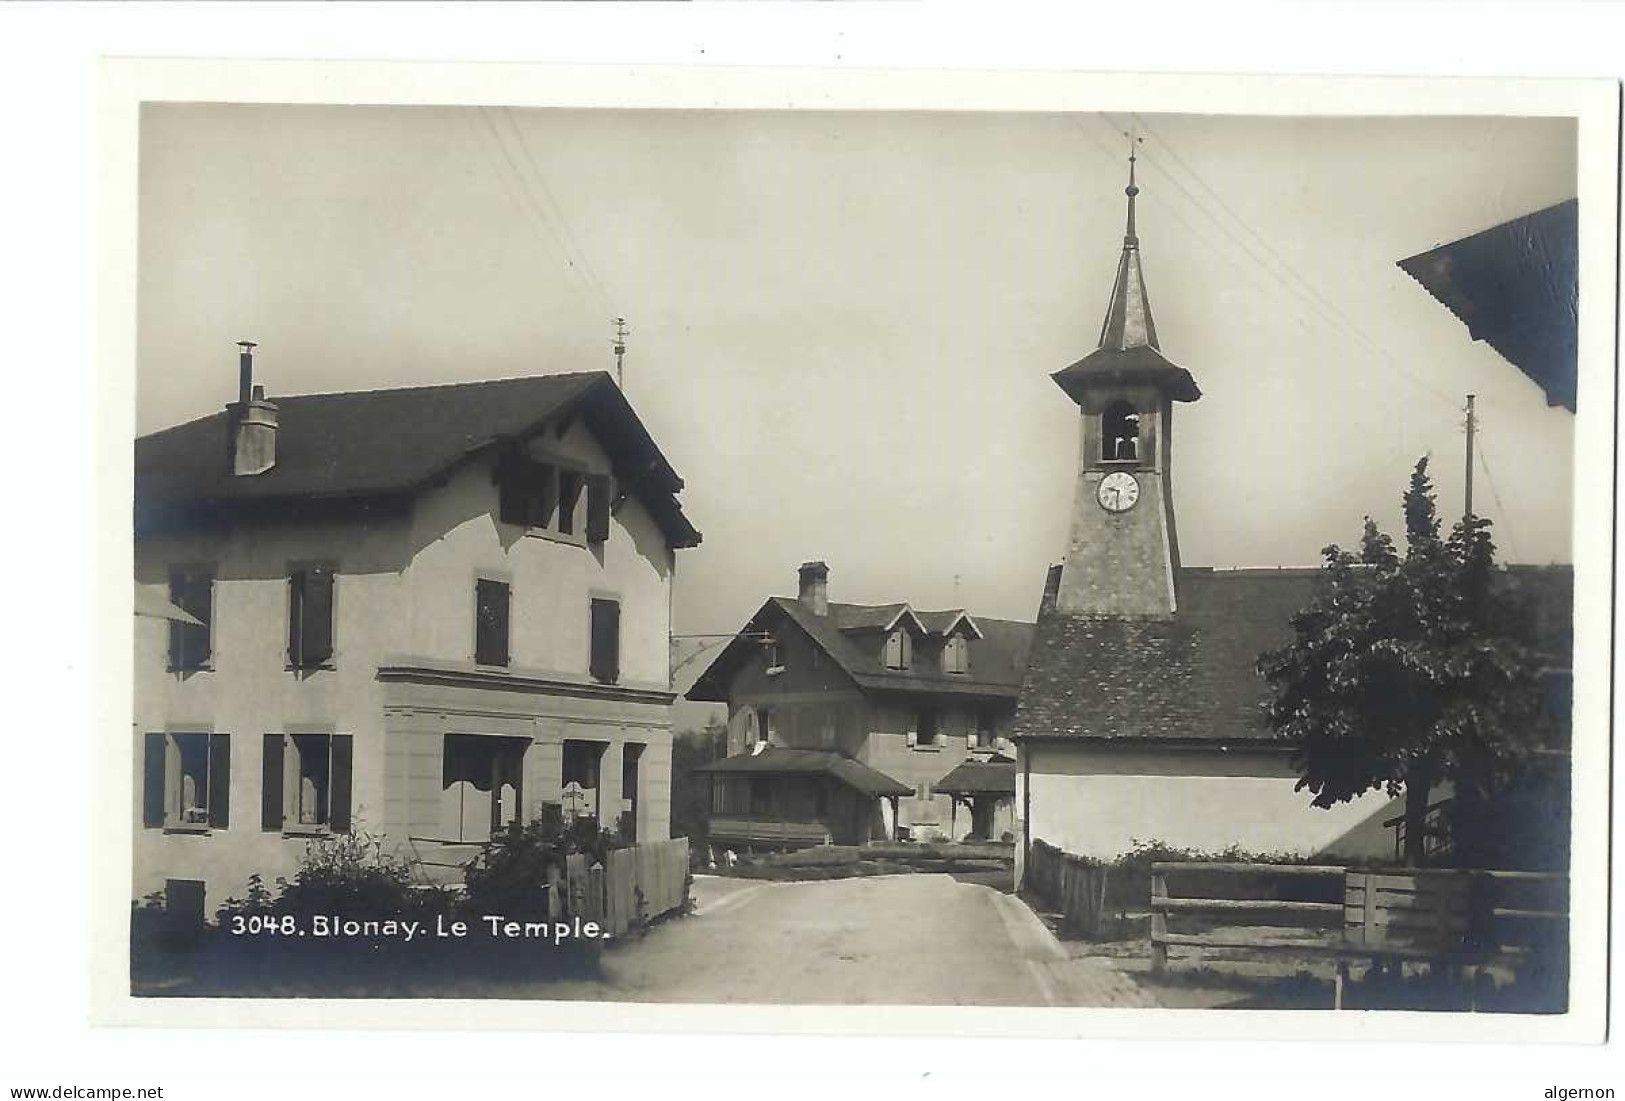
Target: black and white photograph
<point x="746" y="557"/>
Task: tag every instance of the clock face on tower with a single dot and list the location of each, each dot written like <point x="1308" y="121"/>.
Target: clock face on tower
<point x="1118" y="491"/>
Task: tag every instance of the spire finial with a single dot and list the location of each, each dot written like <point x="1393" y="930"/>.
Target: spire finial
<point x="1133" y="189"/>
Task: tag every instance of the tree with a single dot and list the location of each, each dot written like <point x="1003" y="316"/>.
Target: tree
<point x="1409" y="670"/>
<point x="691" y="791"/>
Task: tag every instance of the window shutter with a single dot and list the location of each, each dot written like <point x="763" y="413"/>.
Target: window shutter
<point x="606" y="641"/>
<point x="271" y="790"/>
<point x="152" y="780"/>
<point x="597" y="508"/>
<point x="511" y="494"/>
<point x="296" y="612"/>
<point x="316" y="622"/>
<point x="338" y="781"/>
<point x="491" y="623"/>
<point x="219" y="781"/>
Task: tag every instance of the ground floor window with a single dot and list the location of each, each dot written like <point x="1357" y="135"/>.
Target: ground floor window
<point x="480" y="785"/>
<point x="307" y="782"/>
<point x="186" y="780"/>
<point x="631" y="775"/>
<point x="583" y="762"/>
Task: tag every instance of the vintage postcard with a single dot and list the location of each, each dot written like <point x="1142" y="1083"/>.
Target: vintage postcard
<point x="604" y="544"/>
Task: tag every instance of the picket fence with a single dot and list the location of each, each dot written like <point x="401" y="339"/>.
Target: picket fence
<point x="632" y="885"/>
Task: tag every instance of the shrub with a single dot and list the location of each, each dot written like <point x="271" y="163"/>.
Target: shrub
<point x="513" y="870"/>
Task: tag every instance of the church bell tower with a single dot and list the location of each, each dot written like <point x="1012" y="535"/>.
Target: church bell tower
<point x="1122" y="556"/>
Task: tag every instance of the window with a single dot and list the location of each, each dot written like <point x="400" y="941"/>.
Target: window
<point x="899" y="649"/>
<point x="773" y="654"/>
<point x="986" y="729"/>
<point x="186" y="781"/>
<point x="527" y="493"/>
<point x="547" y="498"/>
<point x="926" y="728"/>
<point x="310" y="617"/>
<point x="605" y="660"/>
<point x="631" y="776"/>
<point x="306" y="782"/>
<point x="956" y="655"/>
<point x="192" y="590"/>
<point x="1119" y="433"/>
<point x="491" y="600"/>
<point x="582" y="763"/>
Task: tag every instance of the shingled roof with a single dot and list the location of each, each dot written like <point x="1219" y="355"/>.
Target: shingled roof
<point x="779" y="761"/>
<point x="997" y="655"/>
<point x="1515" y="287"/>
<point x="1192" y="677"/>
<point x="394" y="443"/>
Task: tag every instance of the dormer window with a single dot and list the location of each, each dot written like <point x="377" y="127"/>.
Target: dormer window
<point x="956" y="655"/>
<point x="1120" y="433"/>
<point x="547" y="499"/>
<point x="899" y="649"/>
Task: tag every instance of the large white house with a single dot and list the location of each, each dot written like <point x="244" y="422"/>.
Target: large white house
<point x="420" y="613"/>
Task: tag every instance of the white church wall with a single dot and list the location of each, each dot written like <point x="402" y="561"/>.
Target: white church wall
<point x="1102" y="802"/>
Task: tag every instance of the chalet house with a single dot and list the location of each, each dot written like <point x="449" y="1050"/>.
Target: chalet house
<point x="419" y="613"/>
<point x="1141" y="711"/>
<point x="857" y="722"/>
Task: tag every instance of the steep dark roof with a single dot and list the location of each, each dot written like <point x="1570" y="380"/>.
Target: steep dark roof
<point x="995" y="777"/>
<point x="1515" y="286"/>
<point x="383" y="443"/>
<point x="1192" y="677"/>
<point x="997" y="658"/>
<point x="779" y="761"/>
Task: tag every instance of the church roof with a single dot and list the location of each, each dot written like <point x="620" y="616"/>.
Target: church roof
<point x="1191" y="678"/>
<point x="1128" y="350"/>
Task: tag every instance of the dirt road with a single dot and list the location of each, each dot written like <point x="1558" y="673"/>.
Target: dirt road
<point x="899" y="940"/>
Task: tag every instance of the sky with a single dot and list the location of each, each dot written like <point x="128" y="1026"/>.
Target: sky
<point x="842" y="324"/>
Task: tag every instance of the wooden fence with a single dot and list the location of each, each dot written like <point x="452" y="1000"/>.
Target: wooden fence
<point x="632" y="887"/>
<point x="1406" y="913"/>
<point x="1070" y="885"/>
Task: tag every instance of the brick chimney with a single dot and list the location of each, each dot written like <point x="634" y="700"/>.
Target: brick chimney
<point x="251" y="421"/>
<point x="814" y="592"/>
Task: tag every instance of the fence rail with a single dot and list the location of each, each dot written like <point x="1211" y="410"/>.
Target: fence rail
<point x="1414" y="913"/>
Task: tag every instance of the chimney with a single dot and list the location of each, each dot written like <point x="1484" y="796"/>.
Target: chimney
<point x="251" y="421"/>
<point x="815" y="587"/>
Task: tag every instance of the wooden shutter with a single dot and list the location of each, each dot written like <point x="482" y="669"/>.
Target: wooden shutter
<point x="316" y="646"/>
<point x="219" y="781"/>
<point x="512" y="497"/>
<point x="296" y="615"/>
<point x="340" y="768"/>
<point x="597" y="508"/>
<point x="271" y="789"/>
<point x="153" y="776"/>
<point x="491" y="623"/>
<point x="606" y="640"/>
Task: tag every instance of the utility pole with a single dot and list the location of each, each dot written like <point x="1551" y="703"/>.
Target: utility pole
<point x="1471" y="425"/>
<point x="619" y="344"/>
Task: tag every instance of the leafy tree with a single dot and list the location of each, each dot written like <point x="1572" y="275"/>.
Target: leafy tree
<point x="1408" y="670"/>
<point x="690" y="791"/>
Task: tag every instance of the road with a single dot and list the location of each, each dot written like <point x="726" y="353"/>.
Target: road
<point x="883" y="940"/>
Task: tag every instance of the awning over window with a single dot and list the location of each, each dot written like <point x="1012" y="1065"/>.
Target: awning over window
<point x="778" y="761"/>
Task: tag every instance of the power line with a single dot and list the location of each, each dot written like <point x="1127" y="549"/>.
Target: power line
<point x="558" y="211"/>
<point x="528" y="204"/>
<point x="1311" y="297"/>
<point x="1506" y="518"/>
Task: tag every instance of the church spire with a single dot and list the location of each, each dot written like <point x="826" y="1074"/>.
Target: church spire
<point x="1128" y="321"/>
